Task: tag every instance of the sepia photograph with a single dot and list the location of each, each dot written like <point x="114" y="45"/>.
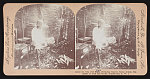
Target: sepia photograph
<point x="44" y="37"/>
<point x="105" y="37"/>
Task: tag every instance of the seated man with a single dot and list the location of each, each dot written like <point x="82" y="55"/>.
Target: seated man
<point x="38" y="37"/>
<point x="101" y="38"/>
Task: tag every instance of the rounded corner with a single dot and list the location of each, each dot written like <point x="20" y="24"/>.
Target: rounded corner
<point x="145" y="5"/>
<point x="145" y="73"/>
<point x="4" y="72"/>
<point x="4" y="5"/>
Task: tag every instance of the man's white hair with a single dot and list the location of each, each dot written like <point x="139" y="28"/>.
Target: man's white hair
<point x="101" y="20"/>
<point x="39" y="22"/>
<point x="104" y="24"/>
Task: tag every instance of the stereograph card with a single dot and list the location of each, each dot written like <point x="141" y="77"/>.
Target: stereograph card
<point x="75" y="39"/>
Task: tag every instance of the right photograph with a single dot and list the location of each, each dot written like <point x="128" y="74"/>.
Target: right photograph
<point x="105" y="37"/>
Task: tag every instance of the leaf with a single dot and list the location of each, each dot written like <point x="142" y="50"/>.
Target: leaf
<point x="22" y="57"/>
<point x="116" y="66"/>
<point x="81" y="67"/>
<point x="128" y="62"/>
<point x="87" y="66"/>
<point x="82" y="56"/>
<point x="65" y="57"/>
<point x="57" y="60"/>
<point x="17" y="67"/>
<point x="108" y="65"/>
<point x="77" y="67"/>
<point x="55" y="66"/>
<point x="119" y="60"/>
<point x="67" y="63"/>
<point x="126" y="59"/>
<point x="62" y="60"/>
<point x="123" y="60"/>
<point x="27" y="67"/>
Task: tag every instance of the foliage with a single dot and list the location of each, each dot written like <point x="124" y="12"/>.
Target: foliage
<point x="63" y="59"/>
<point x="124" y="59"/>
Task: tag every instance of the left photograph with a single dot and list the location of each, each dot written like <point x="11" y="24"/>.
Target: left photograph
<point x="44" y="37"/>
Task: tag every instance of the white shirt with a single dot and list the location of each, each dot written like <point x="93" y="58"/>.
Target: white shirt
<point x="100" y="38"/>
<point x="38" y="38"/>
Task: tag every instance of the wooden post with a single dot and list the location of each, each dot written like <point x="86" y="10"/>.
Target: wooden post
<point x="84" y="24"/>
<point x="22" y="22"/>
